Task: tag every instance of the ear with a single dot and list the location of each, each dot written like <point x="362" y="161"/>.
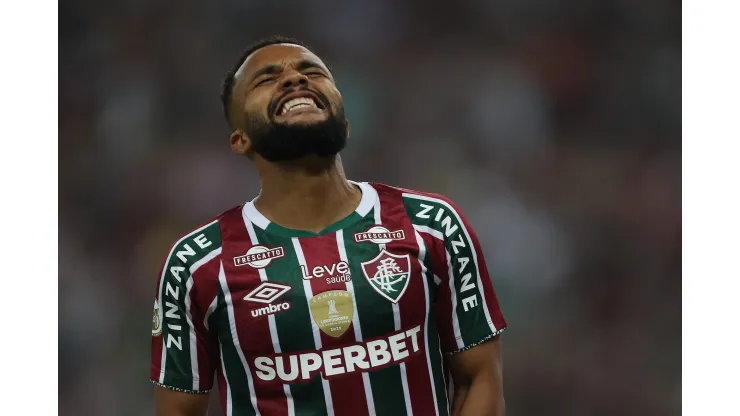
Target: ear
<point x="346" y="126"/>
<point x="240" y="142"/>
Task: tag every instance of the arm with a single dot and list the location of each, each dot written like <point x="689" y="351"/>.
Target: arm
<point x="184" y="346"/>
<point x="175" y="403"/>
<point x="468" y="315"/>
<point x="477" y="376"/>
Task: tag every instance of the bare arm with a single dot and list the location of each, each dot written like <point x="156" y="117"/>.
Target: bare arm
<point x="477" y="375"/>
<point x="174" y="403"/>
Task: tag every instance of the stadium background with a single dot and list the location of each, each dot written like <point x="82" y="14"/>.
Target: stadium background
<point x="554" y="124"/>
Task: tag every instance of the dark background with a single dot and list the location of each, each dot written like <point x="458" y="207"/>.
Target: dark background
<point x="554" y="124"/>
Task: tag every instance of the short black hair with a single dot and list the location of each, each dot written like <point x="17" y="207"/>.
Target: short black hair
<point x="227" y="86"/>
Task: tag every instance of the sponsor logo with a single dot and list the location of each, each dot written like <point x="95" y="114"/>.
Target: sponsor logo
<point x="388" y="274"/>
<point x="259" y="256"/>
<point x="463" y="253"/>
<point x="271" y="309"/>
<point x="379" y="235"/>
<point x="156" y="320"/>
<point x="332" y="311"/>
<point x="364" y="357"/>
<point x="186" y="253"/>
<point x="267" y="292"/>
<point x="335" y="273"/>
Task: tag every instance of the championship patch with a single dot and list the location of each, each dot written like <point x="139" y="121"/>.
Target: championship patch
<point x="259" y="256"/>
<point x="388" y="274"/>
<point x="156" y="320"/>
<point x="379" y="235"/>
<point x="332" y="311"/>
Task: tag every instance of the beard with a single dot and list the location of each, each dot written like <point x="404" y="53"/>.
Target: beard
<point x="280" y="142"/>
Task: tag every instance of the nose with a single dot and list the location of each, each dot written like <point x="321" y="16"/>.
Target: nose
<point x="294" y="79"/>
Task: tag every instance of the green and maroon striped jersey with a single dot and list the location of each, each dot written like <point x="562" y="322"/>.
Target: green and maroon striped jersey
<point x="354" y="320"/>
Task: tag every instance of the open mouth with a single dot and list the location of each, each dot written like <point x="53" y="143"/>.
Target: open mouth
<point x="298" y="101"/>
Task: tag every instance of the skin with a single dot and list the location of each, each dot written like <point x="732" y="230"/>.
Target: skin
<point x="477" y="375"/>
<point x="312" y="193"/>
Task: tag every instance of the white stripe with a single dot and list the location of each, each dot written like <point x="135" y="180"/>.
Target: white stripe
<point x="444" y="374"/>
<point x="251" y="214"/>
<point x="431" y="231"/>
<point x="427" y="301"/>
<point x="472" y="250"/>
<point x="356" y="324"/>
<point x="163" y="363"/>
<point x="193" y="339"/>
<point x="235" y="336"/>
<point x="209" y="311"/>
<point x="189" y="318"/>
<point x="451" y="281"/>
<point x="396" y="323"/>
<point x="229" y="404"/>
<point x="271" y="321"/>
<point x="369" y="198"/>
<point x="436" y="234"/>
<point x="453" y="295"/>
<point x="208" y="257"/>
<point x="316" y="331"/>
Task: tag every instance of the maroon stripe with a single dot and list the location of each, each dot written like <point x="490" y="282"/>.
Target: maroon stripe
<point x="435" y="249"/>
<point x="412" y="306"/>
<point x="253" y="333"/>
<point x="323" y="251"/>
<point x="204" y="290"/>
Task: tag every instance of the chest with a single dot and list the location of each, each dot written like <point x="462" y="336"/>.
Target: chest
<point x="299" y="294"/>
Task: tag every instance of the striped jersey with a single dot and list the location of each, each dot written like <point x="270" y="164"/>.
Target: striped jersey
<point x="354" y="320"/>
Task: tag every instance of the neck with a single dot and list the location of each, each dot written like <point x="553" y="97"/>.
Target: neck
<point x="307" y="199"/>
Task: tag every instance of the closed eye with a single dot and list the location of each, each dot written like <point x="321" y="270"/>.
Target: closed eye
<point x="264" y="81"/>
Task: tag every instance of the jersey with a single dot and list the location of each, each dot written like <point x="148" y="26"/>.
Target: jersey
<point x="354" y="320"/>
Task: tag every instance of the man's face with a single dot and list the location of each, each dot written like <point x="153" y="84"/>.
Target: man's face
<point x="287" y="105"/>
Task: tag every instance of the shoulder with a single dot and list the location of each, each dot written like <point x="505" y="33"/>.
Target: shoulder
<point x="421" y="205"/>
<point x="201" y="243"/>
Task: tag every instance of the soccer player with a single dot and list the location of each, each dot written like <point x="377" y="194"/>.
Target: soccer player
<point x="322" y="296"/>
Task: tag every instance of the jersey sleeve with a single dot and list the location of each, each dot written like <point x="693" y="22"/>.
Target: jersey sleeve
<point x="184" y="348"/>
<point x="467" y="308"/>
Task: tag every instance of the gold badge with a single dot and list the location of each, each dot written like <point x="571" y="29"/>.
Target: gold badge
<point x="156" y="320"/>
<point x="332" y="311"/>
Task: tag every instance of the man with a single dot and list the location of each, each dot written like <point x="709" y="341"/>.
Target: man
<point x="322" y="296"/>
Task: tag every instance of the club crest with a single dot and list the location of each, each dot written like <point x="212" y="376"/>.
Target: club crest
<point x="388" y="274"/>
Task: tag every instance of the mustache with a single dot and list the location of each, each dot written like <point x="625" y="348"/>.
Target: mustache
<point x="272" y="108"/>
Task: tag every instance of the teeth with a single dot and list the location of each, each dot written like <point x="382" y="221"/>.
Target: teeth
<point x="301" y="102"/>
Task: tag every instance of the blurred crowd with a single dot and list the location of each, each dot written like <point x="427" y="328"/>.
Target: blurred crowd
<point x="554" y="124"/>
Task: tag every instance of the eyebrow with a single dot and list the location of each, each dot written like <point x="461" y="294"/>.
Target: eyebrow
<point x="275" y="69"/>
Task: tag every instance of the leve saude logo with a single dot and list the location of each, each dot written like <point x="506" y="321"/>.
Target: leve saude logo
<point x="259" y="256"/>
<point x="267" y="293"/>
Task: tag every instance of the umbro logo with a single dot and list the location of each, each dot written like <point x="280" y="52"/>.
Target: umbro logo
<point x="379" y="235"/>
<point x="267" y="293"/>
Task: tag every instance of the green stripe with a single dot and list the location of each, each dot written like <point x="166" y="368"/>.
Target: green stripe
<point x="235" y="371"/>
<point x="376" y="319"/>
<point x="435" y="356"/>
<point x="294" y="325"/>
<point x="473" y="325"/>
<point x="191" y="249"/>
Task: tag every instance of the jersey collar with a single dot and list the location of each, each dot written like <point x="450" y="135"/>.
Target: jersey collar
<point x="367" y="202"/>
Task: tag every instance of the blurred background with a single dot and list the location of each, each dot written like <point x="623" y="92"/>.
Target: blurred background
<point x="554" y="124"/>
